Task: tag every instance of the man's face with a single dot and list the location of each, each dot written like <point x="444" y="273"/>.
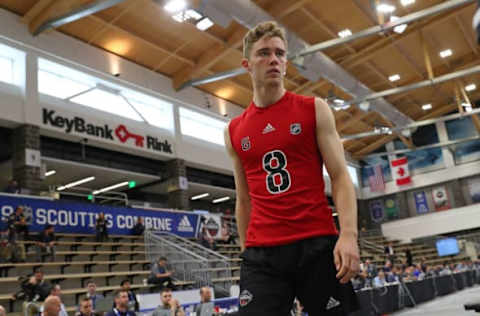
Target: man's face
<point x="126" y="286"/>
<point x="39" y="276"/>
<point x="166" y="297"/>
<point x="86" y="307"/>
<point x="267" y="63"/>
<point x="206" y="295"/>
<point x="91" y="288"/>
<point x="162" y="263"/>
<point x="122" y="300"/>
<point x="56" y="291"/>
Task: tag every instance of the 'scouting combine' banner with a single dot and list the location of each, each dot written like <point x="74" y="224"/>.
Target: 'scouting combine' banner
<point x="70" y="217"/>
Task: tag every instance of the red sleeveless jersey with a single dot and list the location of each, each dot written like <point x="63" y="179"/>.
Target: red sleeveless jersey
<point x="278" y="149"/>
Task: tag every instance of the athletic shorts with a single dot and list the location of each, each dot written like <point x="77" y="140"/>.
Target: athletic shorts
<point x="271" y="277"/>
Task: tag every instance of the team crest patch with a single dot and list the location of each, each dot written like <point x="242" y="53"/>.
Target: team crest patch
<point x="246" y="143"/>
<point x="295" y="128"/>
<point x="245" y="298"/>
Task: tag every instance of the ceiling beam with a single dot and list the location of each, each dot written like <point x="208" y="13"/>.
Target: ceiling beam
<point x="37" y="8"/>
<point x="214" y="54"/>
<point x="378" y="46"/>
<point x="475" y="119"/>
<point x="360" y="115"/>
<point x="426" y="55"/>
<point x="371" y="147"/>
<point x="467" y="35"/>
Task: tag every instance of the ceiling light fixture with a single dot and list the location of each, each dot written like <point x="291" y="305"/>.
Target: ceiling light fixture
<point x="385" y="8"/>
<point x="406" y="3"/>
<point x="394" y="78"/>
<point x="426" y="107"/>
<point x="174" y="6"/>
<point x="471" y="87"/>
<point x="223" y="199"/>
<point x="200" y="196"/>
<point x="204" y="24"/>
<point x="73" y="184"/>
<point x="446" y="53"/>
<point x="50" y="173"/>
<point x="345" y="33"/>
<point x="115" y="186"/>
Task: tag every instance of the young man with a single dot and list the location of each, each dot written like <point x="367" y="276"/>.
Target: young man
<point x="278" y="147"/>
<point x="205" y="298"/>
<point x="92" y="293"/>
<point x="160" y="275"/>
<point x="121" y="305"/>
<point x="169" y="306"/>
<point x="132" y="298"/>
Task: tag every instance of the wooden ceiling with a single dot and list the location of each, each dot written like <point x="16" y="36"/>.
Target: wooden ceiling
<point x="143" y="32"/>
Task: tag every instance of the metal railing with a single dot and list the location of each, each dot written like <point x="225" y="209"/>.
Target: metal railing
<point x="189" y="260"/>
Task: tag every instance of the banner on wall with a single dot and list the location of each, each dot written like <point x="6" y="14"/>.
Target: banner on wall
<point x="440" y="198"/>
<point x="213" y="224"/>
<point x="421" y="203"/>
<point x="391" y="209"/>
<point x="377" y="211"/>
<point x="474" y="188"/>
<point x="79" y="218"/>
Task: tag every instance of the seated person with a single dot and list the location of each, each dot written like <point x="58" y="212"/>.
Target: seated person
<point x="85" y="308"/>
<point x="121" y="305"/>
<point x="92" y="293"/>
<point x="169" y="306"/>
<point x="379" y="280"/>
<point x="159" y="274"/>
<point x="12" y="187"/>
<point x="227" y="237"/>
<point x="46" y="244"/>
<point x="205" y="298"/>
<point x="132" y="298"/>
<point x="139" y="228"/>
<point x="205" y="239"/>
<point x="35" y="288"/>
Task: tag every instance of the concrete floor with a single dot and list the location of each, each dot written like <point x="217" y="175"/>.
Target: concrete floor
<point x="449" y="305"/>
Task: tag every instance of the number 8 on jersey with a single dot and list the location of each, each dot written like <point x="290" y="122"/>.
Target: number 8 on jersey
<point x="274" y="163"/>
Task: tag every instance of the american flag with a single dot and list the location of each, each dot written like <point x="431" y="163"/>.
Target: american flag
<point x="375" y="178"/>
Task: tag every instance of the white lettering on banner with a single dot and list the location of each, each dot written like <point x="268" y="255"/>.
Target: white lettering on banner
<point x="62" y="218"/>
<point x="50" y="214"/>
<point x="91" y="219"/>
<point x="82" y="218"/>
<point x="7" y="210"/>
<point x="121" y="221"/>
<point x="40" y="216"/>
<point x="129" y="221"/>
<point x="148" y="223"/>
<point x="109" y="219"/>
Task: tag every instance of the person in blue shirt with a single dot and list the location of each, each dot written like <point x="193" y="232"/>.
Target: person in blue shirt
<point x="160" y="275"/>
<point x="92" y="293"/>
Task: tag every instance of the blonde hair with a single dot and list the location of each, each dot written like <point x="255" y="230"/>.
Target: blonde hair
<point x="269" y="29"/>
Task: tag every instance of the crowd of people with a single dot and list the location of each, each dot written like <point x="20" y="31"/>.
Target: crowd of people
<point x="370" y="276"/>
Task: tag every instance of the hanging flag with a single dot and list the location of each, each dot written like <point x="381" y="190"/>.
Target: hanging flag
<point x="375" y="178"/>
<point x="377" y="212"/>
<point x="421" y="202"/>
<point x="400" y="172"/>
<point x="440" y="198"/>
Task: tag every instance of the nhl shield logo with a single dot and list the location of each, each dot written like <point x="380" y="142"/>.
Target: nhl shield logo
<point x="295" y="128"/>
<point x="246" y="143"/>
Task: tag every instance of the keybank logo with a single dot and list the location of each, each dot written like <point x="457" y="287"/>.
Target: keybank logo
<point x="119" y="133"/>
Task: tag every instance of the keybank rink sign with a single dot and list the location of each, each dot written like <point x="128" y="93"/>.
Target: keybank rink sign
<point x="80" y="218"/>
<point x="109" y="132"/>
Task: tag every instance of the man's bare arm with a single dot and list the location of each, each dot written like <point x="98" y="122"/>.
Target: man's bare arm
<point x="242" y="204"/>
<point x="343" y="192"/>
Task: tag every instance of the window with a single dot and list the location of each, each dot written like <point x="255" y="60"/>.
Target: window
<point x="6" y="69"/>
<point x="202" y="126"/>
<point x="108" y="102"/>
<point x="353" y="174"/>
<point x="75" y="86"/>
<point x="12" y="65"/>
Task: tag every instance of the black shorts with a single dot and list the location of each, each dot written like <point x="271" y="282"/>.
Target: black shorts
<point x="271" y="277"/>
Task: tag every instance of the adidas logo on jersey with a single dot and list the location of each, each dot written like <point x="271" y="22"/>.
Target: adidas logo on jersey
<point x="332" y="303"/>
<point x="269" y="128"/>
<point x="185" y="225"/>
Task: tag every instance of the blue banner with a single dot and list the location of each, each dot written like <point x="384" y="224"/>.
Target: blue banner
<point x="71" y="217"/>
<point x="377" y="212"/>
<point x="421" y="202"/>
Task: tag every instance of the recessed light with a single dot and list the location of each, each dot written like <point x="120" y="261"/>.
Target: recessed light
<point x="204" y="24"/>
<point x="394" y="78"/>
<point x="223" y="199"/>
<point x="426" y="107"/>
<point x="197" y="197"/>
<point x="446" y="53"/>
<point x="174" y="6"/>
<point x="385" y="8"/>
<point x="471" y="87"/>
<point x="406" y="3"/>
<point x="345" y="33"/>
<point x="50" y="173"/>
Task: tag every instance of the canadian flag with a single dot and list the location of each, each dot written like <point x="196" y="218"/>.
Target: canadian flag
<point x="400" y="171"/>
